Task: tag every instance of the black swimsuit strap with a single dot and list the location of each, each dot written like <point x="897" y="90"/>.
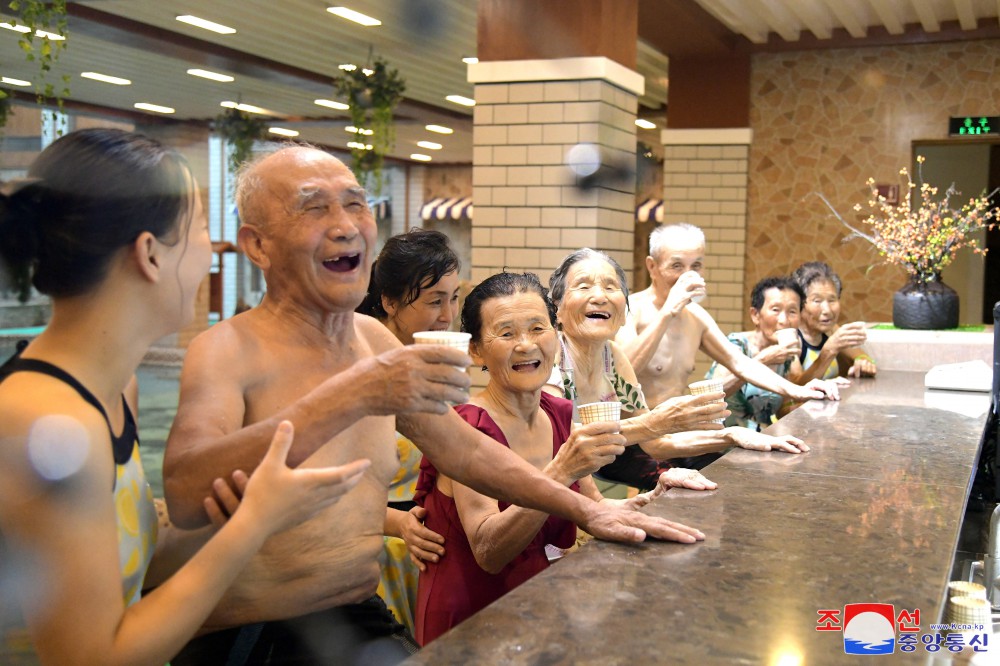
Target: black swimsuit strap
<point x="121" y="444"/>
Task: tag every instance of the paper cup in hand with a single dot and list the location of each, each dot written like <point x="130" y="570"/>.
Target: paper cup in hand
<point x="787" y="336"/>
<point x="600" y="411"/>
<point x="707" y="386"/>
<point x="446" y="338"/>
<point x="454" y="339"/>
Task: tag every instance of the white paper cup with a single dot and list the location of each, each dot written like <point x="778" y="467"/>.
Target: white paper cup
<point x="707" y="386"/>
<point x="787" y="336"/>
<point x="600" y="411"/>
<point x="454" y="339"/>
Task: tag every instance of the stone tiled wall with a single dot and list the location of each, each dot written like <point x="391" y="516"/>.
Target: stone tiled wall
<point x="706" y="185"/>
<point x="827" y="120"/>
<point x="529" y="211"/>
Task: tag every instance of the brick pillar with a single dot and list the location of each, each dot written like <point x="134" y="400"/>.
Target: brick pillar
<point x="705" y="177"/>
<point x="529" y="210"/>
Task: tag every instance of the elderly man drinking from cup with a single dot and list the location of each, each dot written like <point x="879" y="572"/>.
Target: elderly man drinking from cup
<point x="775" y="304"/>
<point x="828" y="350"/>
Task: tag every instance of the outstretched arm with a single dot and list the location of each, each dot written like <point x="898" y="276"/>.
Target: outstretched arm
<point x="463" y="453"/>
<point x="715" y="344"/>
<point x="208" y="439"/>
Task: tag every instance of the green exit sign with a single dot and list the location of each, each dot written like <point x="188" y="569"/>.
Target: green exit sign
<point x="973" y="125"/>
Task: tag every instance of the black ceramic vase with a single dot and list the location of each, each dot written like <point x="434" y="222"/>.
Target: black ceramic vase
<point x="929" y="306"/>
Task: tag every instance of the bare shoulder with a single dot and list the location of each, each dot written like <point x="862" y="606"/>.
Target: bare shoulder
<point x="641" y="300"/>
<point x="374" y="333"/>
<point x="46" y="426"/>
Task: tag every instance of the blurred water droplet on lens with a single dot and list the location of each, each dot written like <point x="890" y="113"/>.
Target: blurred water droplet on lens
<point x="583" y="159"/>
<point x="58" y="446"/>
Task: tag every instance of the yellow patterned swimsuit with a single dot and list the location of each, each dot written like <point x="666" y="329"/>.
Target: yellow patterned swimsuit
<point x="133" y="498"/>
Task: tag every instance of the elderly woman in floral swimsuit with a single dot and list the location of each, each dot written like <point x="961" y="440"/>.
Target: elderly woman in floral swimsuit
<point x="590" y="292"/>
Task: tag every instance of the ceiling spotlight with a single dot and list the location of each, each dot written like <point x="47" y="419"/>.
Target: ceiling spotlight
<point x="440" y="129"/>
<point x="281" y="131"/>
<point x="351" y="15"/>
<point x="645" y="124"/>
<point x="458" y="99"/>
<point x="429" y="145"/>
<point x="359" y="130"/>
<point x="207" y="25"/>
<point x="359" y="146"/>
<point x="15" y="28"/>
<point x="156" y="108"/>
<point x="420" y="158"/>
<point x="14" y="82"/>
<point x="214" y="76"/>
<point x="470" y="61"/>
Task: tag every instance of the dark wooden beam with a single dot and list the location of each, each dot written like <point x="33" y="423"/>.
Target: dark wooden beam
<point x="682" y="28"/>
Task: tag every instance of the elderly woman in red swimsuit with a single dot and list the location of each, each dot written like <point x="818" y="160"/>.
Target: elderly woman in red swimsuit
<point x="494" y="547"/>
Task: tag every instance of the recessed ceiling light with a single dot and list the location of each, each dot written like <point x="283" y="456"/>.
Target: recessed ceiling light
<point x="347" y="67"/>
<point x="207" y="25"/>
<point x="645" y="124"/>
<point x="114" y="80"/>
<point x="49" y="35"/>
<point x="153" y="107"/>
<point x="14" y="82"/>
<point x="15" y="28"/>
<point x="40" y="33"/>
<point x="281" y="131"/>
<point x="351" y="15"/>
<point x="420" y="158"/>
<point x="205" y="74"/>
<point x="458" y="99"/>
<point x="331" y="104"/>
<point x="429" y="145"/>
<point x="354" y="130"/>
<point x="249" y="108"/>
<point x="470" y="61"/>
<point x="440" y="129"/>
<point x="359" y="146"/>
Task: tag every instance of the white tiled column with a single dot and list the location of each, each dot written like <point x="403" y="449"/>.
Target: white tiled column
<point x="705" y="178"/>
<point x="529" y="113"/>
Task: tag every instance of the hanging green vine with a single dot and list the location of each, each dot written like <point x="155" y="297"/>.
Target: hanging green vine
<point x="373" y="93"/>
<point x="48" y="16"/>
<point x="5" y="108"/>
<point x="240" y="129"/>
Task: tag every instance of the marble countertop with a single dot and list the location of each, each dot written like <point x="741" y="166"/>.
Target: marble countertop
<point x="871" y="514"/>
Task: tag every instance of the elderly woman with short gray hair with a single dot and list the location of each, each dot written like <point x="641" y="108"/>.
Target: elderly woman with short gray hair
<point x="590" y="292"/>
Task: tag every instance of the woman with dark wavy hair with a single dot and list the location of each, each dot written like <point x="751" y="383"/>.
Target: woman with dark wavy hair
<point x="109" y="225"/>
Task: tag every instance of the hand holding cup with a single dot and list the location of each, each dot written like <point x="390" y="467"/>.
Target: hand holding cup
<point x="453" y="339"/>
<point x="708" y="386"/>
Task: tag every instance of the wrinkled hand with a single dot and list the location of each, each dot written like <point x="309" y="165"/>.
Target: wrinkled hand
<point x="688" y="285"/>
<point x="225" y="498"/>
<point x="279" y="497"/>
<point x="417" y="378"/>
<point x="758" y="441"/>
<point x="680" y="477"/>
<point x="829" y="388"/>
<point x="862" y="368"/>
<point x="614" y="523"/>
<point x="589" y="448"/>
<point x="815" y="389"/>
<point x="688" y="412"/>
<point x="847" y="336"/>
<point x="424" y="544"/>
<point x="775" y="354"/>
